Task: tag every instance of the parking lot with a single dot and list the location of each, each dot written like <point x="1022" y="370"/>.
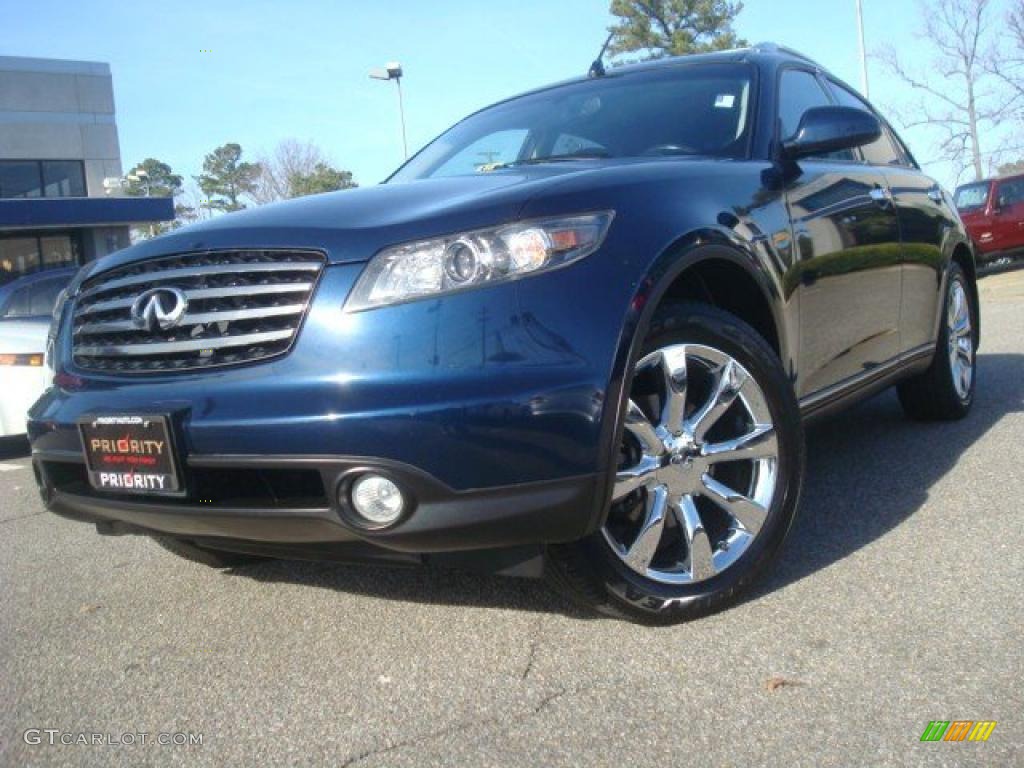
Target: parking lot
<point x="897" y="601"/>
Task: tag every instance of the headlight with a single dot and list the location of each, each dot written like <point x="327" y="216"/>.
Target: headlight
<point x="471" y="259"/>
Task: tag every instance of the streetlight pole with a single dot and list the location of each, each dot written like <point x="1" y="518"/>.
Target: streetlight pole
<point x="401" y="116"/>
<point x="393" y="71"/>
<point x="863" y="51"/>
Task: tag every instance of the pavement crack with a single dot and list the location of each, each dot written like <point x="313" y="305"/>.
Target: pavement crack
<point x="461" y="727"/>
<point x="450" y="730"/>
<point x="531" y="655"/>
<point x="22" y="517"/>
<point x="547" y="700"/>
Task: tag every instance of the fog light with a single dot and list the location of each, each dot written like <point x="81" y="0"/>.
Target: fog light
<point x="377" y="499"/>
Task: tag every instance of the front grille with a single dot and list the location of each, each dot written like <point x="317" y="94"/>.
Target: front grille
<point x="240" y="307"/>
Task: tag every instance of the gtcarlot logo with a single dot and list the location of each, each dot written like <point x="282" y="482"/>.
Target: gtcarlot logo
<point x="56" y="737"/>
<point x="958" y="730"/>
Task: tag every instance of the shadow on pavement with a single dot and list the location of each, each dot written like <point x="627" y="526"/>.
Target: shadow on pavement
<point x="868" y="470"/>
<point x="436" y="586"/>
<point x="14" y="448"/>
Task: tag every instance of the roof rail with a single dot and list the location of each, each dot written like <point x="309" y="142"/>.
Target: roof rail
<point x="769" y="47"/>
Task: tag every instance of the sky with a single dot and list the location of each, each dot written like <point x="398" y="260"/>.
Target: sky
<point x="189" y="77"/>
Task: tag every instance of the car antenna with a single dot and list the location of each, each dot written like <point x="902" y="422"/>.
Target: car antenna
<point x="597" y="68"/>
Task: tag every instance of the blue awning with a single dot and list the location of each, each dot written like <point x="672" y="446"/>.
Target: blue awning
<point x="52" y="212"/>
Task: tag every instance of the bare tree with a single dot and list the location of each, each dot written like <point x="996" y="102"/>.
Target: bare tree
<point x="296" y="168"/>
<point x="958" y="95"/>
<point x="1007" y="61"/>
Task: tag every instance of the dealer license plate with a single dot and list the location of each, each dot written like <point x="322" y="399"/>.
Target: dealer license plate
<point x="130" y="454"/>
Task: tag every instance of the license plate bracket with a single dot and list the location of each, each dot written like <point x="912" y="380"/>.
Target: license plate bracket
<point x="130" y="454"/>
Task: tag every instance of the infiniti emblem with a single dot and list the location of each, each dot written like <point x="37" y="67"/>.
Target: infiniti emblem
<point x="161" y="308"/>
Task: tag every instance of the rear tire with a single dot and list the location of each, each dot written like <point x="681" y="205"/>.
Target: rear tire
<point x="723" y="515"/>
<point x="213" y="558"/>
<point x="945" y="391"/>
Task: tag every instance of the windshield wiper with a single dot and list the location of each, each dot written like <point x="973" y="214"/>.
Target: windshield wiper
<point x="588" y="154"/>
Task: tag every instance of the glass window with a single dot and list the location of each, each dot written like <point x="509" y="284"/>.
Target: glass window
<point x="1011" y="192"/>
<point x="498" y="148"/>
<point x="971" y="196"/>
<point x="799" y="91"/>
<point x="567" y="144"/>
<point x="43" y="297"/>
<point x="20" y="178"/>
<point x="20" y="303"/>
<point x="880" y="152"/>
<point x="63" y="178"/>
<point x="58" y="251"/>
<point x="18" y="256"/>
<point x="695" y="109"/>
<point x="35" y="300"/>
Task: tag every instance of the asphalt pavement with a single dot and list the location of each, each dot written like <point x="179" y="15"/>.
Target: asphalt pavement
<point x="897" y="601"/>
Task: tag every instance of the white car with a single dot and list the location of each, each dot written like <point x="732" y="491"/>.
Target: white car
<point x="23" y="375"/>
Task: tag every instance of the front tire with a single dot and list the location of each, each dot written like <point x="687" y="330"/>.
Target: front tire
<point x="945" y="391"/>
<point x="712" y="460"/>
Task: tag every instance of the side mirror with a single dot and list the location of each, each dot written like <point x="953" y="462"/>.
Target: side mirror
<point x="824" y="130"/>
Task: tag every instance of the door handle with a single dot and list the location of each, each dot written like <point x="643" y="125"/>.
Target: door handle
<point x="935" y="195"/>
<point x="882" y="196"/>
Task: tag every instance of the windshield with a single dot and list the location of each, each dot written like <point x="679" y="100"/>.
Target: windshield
<point x="971" y="196"/>
<point x="693" y="109"/>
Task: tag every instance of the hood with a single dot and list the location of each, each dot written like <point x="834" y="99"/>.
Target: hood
<point x="352" y="225"/>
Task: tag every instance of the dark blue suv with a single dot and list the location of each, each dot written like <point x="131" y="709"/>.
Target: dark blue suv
<point x="578" y="334"/>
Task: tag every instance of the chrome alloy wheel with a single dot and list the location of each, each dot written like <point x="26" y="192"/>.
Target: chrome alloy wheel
<point x="699" y="466"/>
<point x="961" y="339"/>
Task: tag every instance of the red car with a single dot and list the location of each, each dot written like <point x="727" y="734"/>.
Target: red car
<point x="993" y="212"/>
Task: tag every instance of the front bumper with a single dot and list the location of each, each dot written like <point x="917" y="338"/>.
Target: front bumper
<point x="441" y="520"/>
<point x="489" y="407"/>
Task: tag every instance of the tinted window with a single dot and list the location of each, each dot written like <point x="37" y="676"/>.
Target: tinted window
<point x="42" y="178"/>
<point x="63" y="178"/>
<point x="19" y="303"/>
<point x="881" y="152"/>
<point x="20" y="179"/>
<point x="36" y="300"/>
<point x="798" y="92"/>
<point x="696" y="109"/>
<point x="971" y="196"/>
<point x="1011" y="192"/>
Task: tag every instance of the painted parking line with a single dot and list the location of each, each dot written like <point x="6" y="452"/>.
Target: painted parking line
<point x="10" y="467"/>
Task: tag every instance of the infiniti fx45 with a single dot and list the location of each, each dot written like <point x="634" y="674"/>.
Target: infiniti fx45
<point x="578" y="334"/>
